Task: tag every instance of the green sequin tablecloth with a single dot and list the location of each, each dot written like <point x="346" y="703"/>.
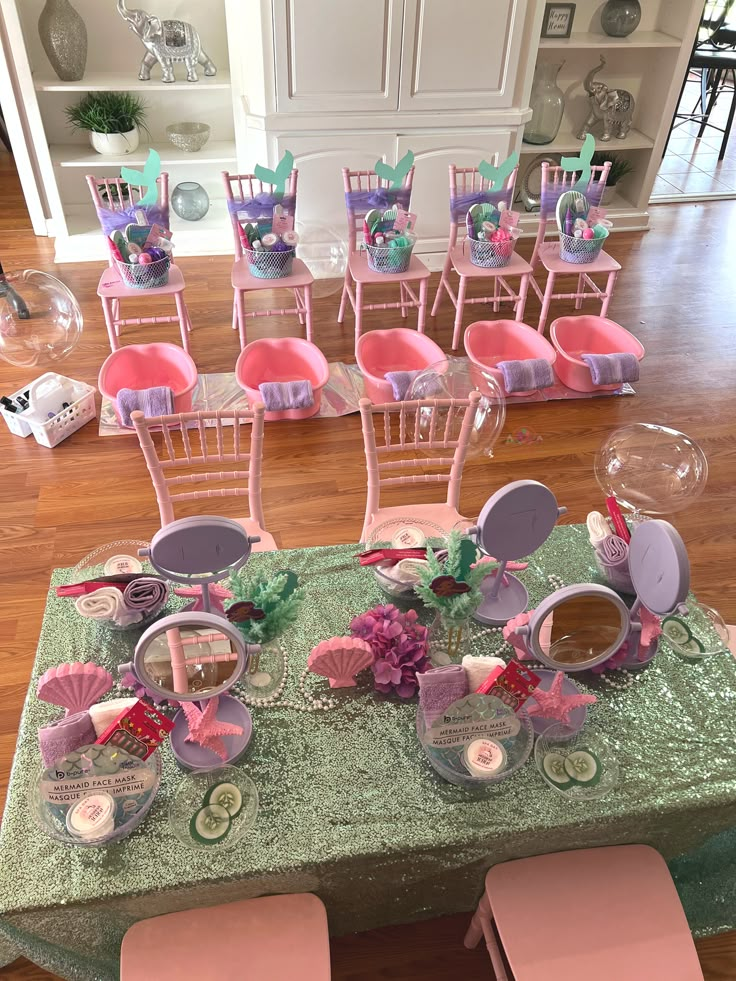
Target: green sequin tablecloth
<point x="352" y="810"/>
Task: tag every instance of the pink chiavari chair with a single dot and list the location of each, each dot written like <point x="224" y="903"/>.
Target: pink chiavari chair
<point x="360" y="186"/>
<point x="555" y="182"/>
<point x="466" y="187"/>
<point x="122" y="197"/>
<point x="187" y="442"/>
<point x="248" y="196"/>
<point x="408" y="428"/>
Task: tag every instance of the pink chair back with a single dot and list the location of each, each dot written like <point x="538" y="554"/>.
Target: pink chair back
<point x="187" y="447"/>
<point x="555" y="182"/>
<point x="468" y="187"/>
<point x="365" y="190"/>
<point x="250" y="195"/>
<point x="112" y="196"/>
<point x="447" y="425"/>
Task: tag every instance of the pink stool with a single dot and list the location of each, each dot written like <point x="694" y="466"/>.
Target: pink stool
<point x="598" y="914"/>
<point x="488" y="342"/>
<point x="282" y="359"/>
<point x="397" y="349"/>
<point x="140" y="366"/>
<point x="575" y="336"/>
<point x="274" y="938"/>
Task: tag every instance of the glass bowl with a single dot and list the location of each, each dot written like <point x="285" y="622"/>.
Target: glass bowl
<point x="708" y="632"/>
<point x="382" y="536"/>
<point x="191" y="796"/>
<point x="563" y="743"/>
<point x="189" y="137"/>
<point x="131" y="782"/>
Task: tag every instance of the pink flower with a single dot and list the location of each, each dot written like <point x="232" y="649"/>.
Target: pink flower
<point x="399" y="645"/>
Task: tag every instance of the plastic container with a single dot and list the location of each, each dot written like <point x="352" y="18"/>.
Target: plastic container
<point x="580" y="251"/>
<point x="190" y="796"/>
<point x="397" y="349"/>
<point x="402" y="594"/>
<point x="574" y="336"/>
<point x="282" y="359"/>
<point x="140" y="366"/>
<point x="709" y="634"/>
<point x="563" y="742"/>
<point x="151" y="276"/>
<point x="47" y="394"/>
<point x="383" y="259"/>
<point x="490" y="255"/>
<point x="270" y="265"/>
<point x="487" y="342"/>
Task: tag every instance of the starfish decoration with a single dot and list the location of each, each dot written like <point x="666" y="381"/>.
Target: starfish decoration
<point x="205" y="728"/>
<point x="553" y="704"/>
<point x="217" y="595"/>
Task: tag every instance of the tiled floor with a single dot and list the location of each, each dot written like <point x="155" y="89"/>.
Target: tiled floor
<point x="691" y="165"/>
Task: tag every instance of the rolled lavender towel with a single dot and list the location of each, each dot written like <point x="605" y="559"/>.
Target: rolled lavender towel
<point x="158" y="401"/>
<point x="439" y="688"/>
<point x="526" y="376"/>
<point x="278" y="396"/>
<point x="400" y="382"/>
<point x="146" y="594"/>
<point x="612" y="369"/>
<point x="613" y="550"/>
<point x="64" y="736"/>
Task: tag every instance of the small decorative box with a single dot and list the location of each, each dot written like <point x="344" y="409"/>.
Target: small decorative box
<point x="139" y="730"/>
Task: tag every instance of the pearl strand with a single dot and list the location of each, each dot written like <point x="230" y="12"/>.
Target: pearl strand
<point x="311" y="704"/>
<point x="555" y="581"/>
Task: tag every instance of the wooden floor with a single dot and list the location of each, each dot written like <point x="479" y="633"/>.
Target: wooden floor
<point x="59" y="504"/>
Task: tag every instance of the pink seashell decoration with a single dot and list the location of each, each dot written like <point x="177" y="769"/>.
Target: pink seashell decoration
<point x="74" y="686"/>
<point x="340" y="659"/>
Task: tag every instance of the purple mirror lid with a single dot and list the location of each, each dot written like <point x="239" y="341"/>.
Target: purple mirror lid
<point x="201" y="549"/>
<point x="550" y="603"/>
<point x="517" y="519"/>
<point x="659" y="566"/>
<point x="182" y="621"/>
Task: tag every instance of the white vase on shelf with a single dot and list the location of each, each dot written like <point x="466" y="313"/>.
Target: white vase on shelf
<point x="116" y="144"/>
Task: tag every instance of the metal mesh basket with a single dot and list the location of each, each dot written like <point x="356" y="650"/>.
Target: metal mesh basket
<point x="383" y="259"/>
<point x="145" y="277"/>
<point x="490" y="255"/>
<point x="270" y="265"/>
<point x="580" y="250"/>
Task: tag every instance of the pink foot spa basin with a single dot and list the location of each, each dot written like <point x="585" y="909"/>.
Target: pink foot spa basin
<point x="526" y="356"/>
<point x="398" y="353"/>
<point x="157" y="378"/>
<point x="595" y="354"/>
<point x="287" y="374"/>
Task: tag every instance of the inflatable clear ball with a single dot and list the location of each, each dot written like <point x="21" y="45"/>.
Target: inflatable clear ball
<point x="324" y="251"/>
<point x="40" y="319"/>
<point x="456" y="378"/>
<point x="651" y="470"/>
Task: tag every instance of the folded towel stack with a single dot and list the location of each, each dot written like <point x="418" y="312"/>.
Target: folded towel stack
<point x="64" y="736"/>
<point x="279" y="396"/>
<point x="151" y="402"/>
<point x="439" y="688"/>
<point x="400" y="382"/>
<point x="526" y="376"/>
<point x="477" y="669"/>
<point x="612" y="369"/>
<point x="103" y="714"/>
<point x="141" y="597"/>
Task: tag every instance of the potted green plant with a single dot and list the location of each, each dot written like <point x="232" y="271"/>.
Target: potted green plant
<point x="113" y="120"/>
<point x="620" y="167"/>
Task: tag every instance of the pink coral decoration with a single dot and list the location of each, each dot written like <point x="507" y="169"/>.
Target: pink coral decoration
<point x="518" y="641"/>
<point x="340" y="659"/>
<point x="74" y="686"/>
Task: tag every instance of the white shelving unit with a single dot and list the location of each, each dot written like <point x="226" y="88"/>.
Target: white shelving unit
<point x="119" y="81"/>
<point x="650" y="63"/>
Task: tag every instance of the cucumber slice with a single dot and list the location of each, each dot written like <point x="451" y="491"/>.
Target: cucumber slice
<point x="675" y="630"/>
<point x="210" y="824"/>
<point x="583" y="767"/>
<point x="226" y="795"/>
<point x="693" y="646"/>
<point x="554" y="769"/>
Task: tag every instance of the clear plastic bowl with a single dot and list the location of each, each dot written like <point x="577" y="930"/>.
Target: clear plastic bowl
<point x="706" y="626"/>
<point x="564" y="741"/>
<point x="189" y="797"/>
<point x="381" y="536"/>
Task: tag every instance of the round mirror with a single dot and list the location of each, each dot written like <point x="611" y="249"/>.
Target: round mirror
<point x="659" y="566"/>
<point x="517" y="519"/>
<point x="190" y="657"/>
<point x="199" y="550"/>
<point x="578" y="627"/>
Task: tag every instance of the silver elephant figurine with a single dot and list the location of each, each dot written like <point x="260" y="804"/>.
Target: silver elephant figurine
<point x="614" y="107"/>
<point x="166" y="42"/>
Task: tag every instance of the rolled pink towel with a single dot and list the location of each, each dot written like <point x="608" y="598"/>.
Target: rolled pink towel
<point x="439" y="688"/>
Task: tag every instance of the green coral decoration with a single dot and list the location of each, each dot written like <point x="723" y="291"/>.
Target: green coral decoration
<point x="457" y="564"/>
<point x="280" y="598"/>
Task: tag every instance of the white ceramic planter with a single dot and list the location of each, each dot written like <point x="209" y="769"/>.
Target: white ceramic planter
<point x="115" y="144"/>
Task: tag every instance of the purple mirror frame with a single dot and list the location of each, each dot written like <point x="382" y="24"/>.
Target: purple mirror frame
<point x="199" y="525"/>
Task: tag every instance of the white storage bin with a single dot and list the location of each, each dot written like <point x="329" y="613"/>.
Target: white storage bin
<point x="47" y="394"/>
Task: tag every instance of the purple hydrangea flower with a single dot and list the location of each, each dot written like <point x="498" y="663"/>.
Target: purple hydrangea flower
<point x="399" y="645"/>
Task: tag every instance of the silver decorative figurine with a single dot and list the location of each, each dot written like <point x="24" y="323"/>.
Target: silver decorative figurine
<point x="167" y="42"/>
<point x="613" y="107"/>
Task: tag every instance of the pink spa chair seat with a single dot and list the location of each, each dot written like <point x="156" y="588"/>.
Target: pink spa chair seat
<point x="575" y="336"/>
<point x="487" y="342"/>
<point x="141" y="366"/>
<point x="273" y="938"/>
<point x="397" y="349"/>
<point x="282" y="359"/>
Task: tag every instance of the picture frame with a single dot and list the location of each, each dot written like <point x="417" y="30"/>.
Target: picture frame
<point x="558" y="18"/>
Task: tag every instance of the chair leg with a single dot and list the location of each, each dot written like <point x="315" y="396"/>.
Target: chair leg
<point x="729" y="123"/>
<point x="422" y="314"/>
<point x="240" y="305"/>
<point x="402" y="294"/>
<point x="234" y="324"/>
<point x="344" y="297"/>
<point x="521" y="302"/>
<point x="181" y="309"/>
<point x="496" y="295"/>
<point x="459" y="312"/>
<point x="546" y="300"/>
<point x="358" y="310"/>
<point x="578" y="298"/>
<point x="475" y="932"/>
<point x="299" y="303"/>
<point x="610" y="285"/>
<point x="308" y="314"/>
<point x="110" y="324"/>
<point x="715" y="92"/>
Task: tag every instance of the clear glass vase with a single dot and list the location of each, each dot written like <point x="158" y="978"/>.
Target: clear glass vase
<point x="265" y="671"/>
<point x="190" y="201"/>
<point x="620" y="17"/>
<point x="449" y="640"/>
<point x="547" y="103"/>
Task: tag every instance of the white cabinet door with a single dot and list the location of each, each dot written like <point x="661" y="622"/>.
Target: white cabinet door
<point x="433" y="153"/>
<point x="339" y="56"/>
<point x="320" y="159"/>
<point x="460" y="54"/>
